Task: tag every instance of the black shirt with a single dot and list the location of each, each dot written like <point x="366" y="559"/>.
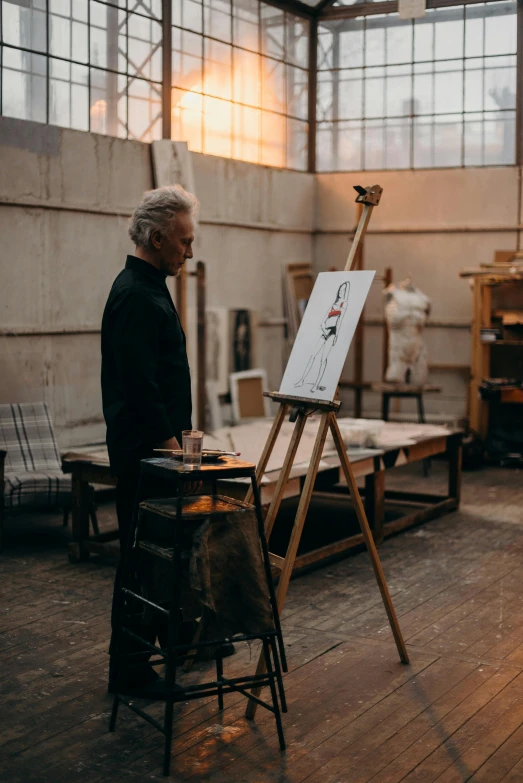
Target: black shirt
<point x="146" y="382"/>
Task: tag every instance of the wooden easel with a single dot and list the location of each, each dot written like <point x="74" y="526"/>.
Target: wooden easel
<point x="301" y="408"/>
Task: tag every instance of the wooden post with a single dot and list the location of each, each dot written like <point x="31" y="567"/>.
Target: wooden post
<point x="201" y="343"/>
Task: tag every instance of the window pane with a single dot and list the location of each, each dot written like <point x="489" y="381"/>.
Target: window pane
<point x="399" y="41"/>
<point x="473" y="140"/>
<point x="350" y="104"/>
<point x="108" y="35"/>
<point x="272" y="31"/>
<point x="217" y="69"/>
<point x="324" y="156"/>
<point x="217" y="127"/>
<point x="246" y="134"/>
<point x="423" y="99"/>
<point x="500" y="139"/>
<point x="374" y="95"/>
<point x="374" y="144"/>
<point x="273" y="152"/>
<point x="324" y="91"/>
<point x="375" y="41"/>
<point x="423" y="152"/>
<point x="297" y="45"/>
<point x="297" y="92"/>
<point x="246" y="27"/>
<point x="297" y="138"/>
<point x="108" y="103"/>
<point x="448" y="89"/>
<point x="447" y="140"/>
<point x="448" y="32"/>
<point x="144" y="110"/>
<point x="25" y="27"/>
<point x="187" y="118"/>
<point x="151" y="8"/>
<point x="68" y="38"/>
<point x="500" y="28"/>
<point x="24" y="88"/>
<point x="144" y="47"/>
<point x="423" y="39"/>
<point x="474" y="29"/>
<point x="246" y="77"/>
<point x="325" y="47"/>
<point x="273" y="85"/>
<point x="397" y="143"/>
<point x="474" y="86"/>
<point x="500" y="84"/>
<point x="68" y="95"/>
<point x="187" y="60"/>
<point x="188" y="14"/>
<point x="217" y="19"/>
<point x="349" y="146"/>
<point x="351" y="44"/>
<point x="399" y="96"/>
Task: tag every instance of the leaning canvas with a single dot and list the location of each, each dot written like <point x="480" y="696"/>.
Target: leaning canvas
<point x="325" y="334"/>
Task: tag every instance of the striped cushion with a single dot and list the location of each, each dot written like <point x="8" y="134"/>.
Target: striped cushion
<point x="50" y="489"/>
<point x="26" y="433"/>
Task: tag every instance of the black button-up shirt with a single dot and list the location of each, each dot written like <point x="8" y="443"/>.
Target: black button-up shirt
<point x="146" y="383"/>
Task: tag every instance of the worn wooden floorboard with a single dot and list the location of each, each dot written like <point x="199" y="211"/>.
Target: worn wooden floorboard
<point x="356" y="715"/>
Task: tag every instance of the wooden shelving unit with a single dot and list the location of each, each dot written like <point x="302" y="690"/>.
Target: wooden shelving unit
<point x="490" y="293"/>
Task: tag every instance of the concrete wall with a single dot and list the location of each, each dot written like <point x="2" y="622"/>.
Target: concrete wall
<point x="429" y="225"/>
<point x="65" y="198"/>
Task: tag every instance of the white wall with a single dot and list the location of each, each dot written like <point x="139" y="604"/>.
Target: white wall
<point x="429" y="225"/>
<point x="65" y="198"/>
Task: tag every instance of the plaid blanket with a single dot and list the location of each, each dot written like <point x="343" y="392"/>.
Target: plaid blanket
<point x="33" y="472"/>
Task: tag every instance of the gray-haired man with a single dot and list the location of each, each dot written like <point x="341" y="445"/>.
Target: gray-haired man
<point x="146" y="385"/>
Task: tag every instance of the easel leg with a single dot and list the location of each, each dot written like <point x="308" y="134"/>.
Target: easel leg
<point x="267" y="451"/>
<point x="292" y="549"/>
<point x="369" y="541"/>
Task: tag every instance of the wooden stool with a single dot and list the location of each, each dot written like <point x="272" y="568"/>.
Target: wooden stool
<point x="178" y="517"/>
<point x="390" y="390"/>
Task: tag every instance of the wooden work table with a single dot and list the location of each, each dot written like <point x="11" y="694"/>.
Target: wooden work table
<point x="369" y="464"/>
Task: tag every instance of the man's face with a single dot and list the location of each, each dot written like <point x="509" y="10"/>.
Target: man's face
<point x="176" y="246"/>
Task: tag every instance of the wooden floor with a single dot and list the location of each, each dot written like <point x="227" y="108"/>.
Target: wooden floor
<point x="355" y="713"/>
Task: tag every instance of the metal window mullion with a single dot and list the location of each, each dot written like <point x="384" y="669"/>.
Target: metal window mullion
<point x="463" y="88"/>
<point x="47" y="70"/>
<point x="1" y="60"/>
<point x="483" y="96"/>
<point x="166" y="69"/>
<point x="89" y="65"/>
<point x="518" y="152"/>
<point x="411" y="151"/>
<point x="312" y="96"/>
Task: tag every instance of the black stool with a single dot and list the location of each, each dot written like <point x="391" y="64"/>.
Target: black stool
<point x="176" y="516"/>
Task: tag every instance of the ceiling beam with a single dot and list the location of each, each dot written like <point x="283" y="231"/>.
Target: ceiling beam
<point x="295" y="7"/>
<point x="333" y="13"/>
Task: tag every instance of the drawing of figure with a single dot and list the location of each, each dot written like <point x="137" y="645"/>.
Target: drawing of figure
<point x="330" y="328"/>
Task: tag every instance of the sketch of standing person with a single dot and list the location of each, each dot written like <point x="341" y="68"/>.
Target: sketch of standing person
<point x="242" y="341"/>
<point x="330" y="328"/>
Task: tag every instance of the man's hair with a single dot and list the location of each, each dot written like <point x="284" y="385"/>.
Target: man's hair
<point x="157" y="211"/>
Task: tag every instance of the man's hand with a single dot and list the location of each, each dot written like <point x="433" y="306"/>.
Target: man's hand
<point x="170" y="443"/>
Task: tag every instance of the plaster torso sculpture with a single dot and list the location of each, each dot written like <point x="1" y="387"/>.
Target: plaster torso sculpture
<point x="406" y="311"/>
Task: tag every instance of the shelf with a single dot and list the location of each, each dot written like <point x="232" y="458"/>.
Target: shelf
<point x="502" y="342"/>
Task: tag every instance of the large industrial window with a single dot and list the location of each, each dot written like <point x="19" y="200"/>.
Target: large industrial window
<point x="240" y="81"/>
<point x="84" y="64"/>
<point x="437" y="91"/>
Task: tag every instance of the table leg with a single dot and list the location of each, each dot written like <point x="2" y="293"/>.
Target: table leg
<point x="80" y="518"/>
<point x="375" y="503"/>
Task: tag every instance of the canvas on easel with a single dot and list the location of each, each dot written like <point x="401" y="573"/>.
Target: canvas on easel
<point x="325" y="334"/>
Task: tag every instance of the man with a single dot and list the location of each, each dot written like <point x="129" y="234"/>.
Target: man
<point x="146" y="384"/>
